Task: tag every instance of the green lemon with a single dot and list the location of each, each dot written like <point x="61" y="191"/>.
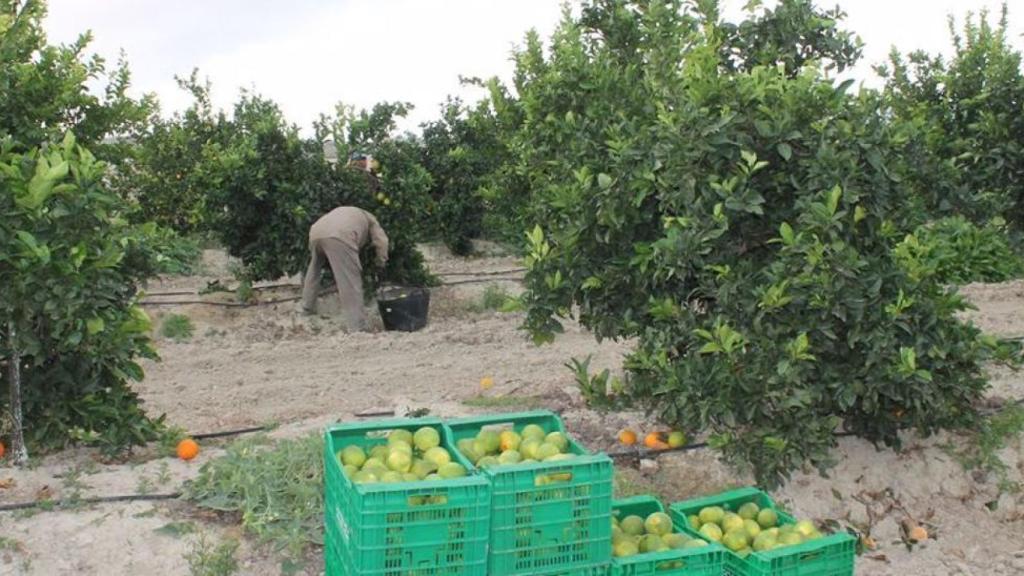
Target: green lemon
<point x="658" y="524"/>
<point x="426" y="438"/>
<point x="533" y="431"/>
<point x="711" y="515"/>
<point x="632" y="525"/>
<point x="767" y="518"/>
<point x="352" y="456"/>
<point x="400" y="436"/>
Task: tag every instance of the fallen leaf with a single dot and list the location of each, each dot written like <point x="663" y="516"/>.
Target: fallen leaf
<point x="7" y="483"/>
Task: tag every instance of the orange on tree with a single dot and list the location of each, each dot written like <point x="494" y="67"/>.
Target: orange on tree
<point x="188" y="449"/>
<point x="627" y="437"/>
<point x="2" y="449"/>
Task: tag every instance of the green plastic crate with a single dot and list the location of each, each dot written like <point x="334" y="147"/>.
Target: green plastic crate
<point x="332" y="564"/>
<point x="707" y="561"/>
<point x="831" y="555"/>
<point x="409" y="528"/>
<point x="546" y="517"/>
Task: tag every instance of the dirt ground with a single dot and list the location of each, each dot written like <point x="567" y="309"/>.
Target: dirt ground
<point x="273" y="365"/>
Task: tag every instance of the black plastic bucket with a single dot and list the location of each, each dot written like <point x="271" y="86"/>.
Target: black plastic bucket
<point x="404" y="309"/>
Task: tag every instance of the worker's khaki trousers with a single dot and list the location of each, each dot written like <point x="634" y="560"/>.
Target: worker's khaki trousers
<point x="348" y="275"/>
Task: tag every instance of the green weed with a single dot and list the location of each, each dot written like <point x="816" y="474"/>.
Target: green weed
<point x="177" y="327"/>
<point x="277" y="490"/>
<point x="207" y="558"/>
<point x="982" y="450"/>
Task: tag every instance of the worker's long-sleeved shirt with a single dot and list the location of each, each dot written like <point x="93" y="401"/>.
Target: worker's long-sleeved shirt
<point x="354" y="226"/>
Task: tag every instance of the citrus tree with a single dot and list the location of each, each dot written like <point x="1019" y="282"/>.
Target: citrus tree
<point x="967" y="123"/>
<point x="69" y="262"/>
<point x="168" y="176"/>
<point x="71" y="330"/>
<point x="44" y="92"/>
<point x="461" y="150"/>
<point x="263" y="185"/>
<point x="742" y="225"/>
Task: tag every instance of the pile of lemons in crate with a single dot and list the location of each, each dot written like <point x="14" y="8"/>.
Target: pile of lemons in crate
<point x="490" y="467"/>
<point x="415" y="456"/>
<point x="750" y="529"/>
<point x="406" y="457"/>
<point x="634" y="535"/>
<point x="491" y="448"/>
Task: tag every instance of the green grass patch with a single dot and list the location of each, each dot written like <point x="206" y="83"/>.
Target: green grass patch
<point x="177" y="327"/>
<point x="276" y="489"/>
<point x="495" y="298"/>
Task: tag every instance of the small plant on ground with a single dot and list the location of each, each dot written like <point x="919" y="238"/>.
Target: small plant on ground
<point x="177" y="327"/>
<point x="208" y="558"/>
<point x="985" y="443"/>
<point x="276" y="489"/>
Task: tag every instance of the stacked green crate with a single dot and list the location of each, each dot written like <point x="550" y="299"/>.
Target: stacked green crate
<point x="550" y="517"/>
<point x="702" y="561"/>
<point x="831" y="555"/>
<point x="410" y="528"/>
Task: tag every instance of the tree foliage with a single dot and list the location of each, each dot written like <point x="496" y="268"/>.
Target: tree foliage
<point x="741" y="224"/>
<point x="69" y="262"/>
<point x="461" y="150"/>
<point x="44" y="87"/>
<point x="967" y="121"/>
<point x="252" y="180"/>
<point x="70" y="265"/>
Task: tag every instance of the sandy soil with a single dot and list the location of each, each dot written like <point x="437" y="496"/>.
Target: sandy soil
<point x="271" y="364"/>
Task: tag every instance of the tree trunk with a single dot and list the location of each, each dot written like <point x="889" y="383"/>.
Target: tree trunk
<point x="19" y="453"/>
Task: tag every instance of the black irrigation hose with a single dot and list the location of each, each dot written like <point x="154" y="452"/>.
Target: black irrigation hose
<point x="289" y="299"/>
<point x="637" y="454"/>
<point x="225" y="433"/>
<point x="290" y="285"/>
<point x="57" y="504"/>
<point x="481" y="280"/>
<point x="487" y="273"/>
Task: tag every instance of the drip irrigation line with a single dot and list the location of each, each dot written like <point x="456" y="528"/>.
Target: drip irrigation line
<point x="637" y="453"/>
<point x="487" y="273"/>
<point x="284" y="300"/>
<point x="58" y="504"/>
<point x="481" y="280"/>
<point x="226" y="433"/>
<point x="292" y="285"/>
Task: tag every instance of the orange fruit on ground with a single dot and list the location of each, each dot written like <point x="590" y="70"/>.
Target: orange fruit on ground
<point x="918" y="534"/>
<point x="188" y="449"/>
<point x="654" y="441"/>
<point x="627" y="437"/>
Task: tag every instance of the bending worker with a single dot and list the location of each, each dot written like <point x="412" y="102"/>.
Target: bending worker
<point x="338" y="236"/>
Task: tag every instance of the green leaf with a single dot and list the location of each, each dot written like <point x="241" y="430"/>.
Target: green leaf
<point x="785" y="150"/>
<point x="95" y="325"/>
<point x="604" y="181"/>
<point x="834" y="196"/>
<point x="786" y="232"/>
<point x="859" y="213"/>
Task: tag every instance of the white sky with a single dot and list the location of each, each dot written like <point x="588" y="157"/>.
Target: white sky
<point x="309" y="54"/>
